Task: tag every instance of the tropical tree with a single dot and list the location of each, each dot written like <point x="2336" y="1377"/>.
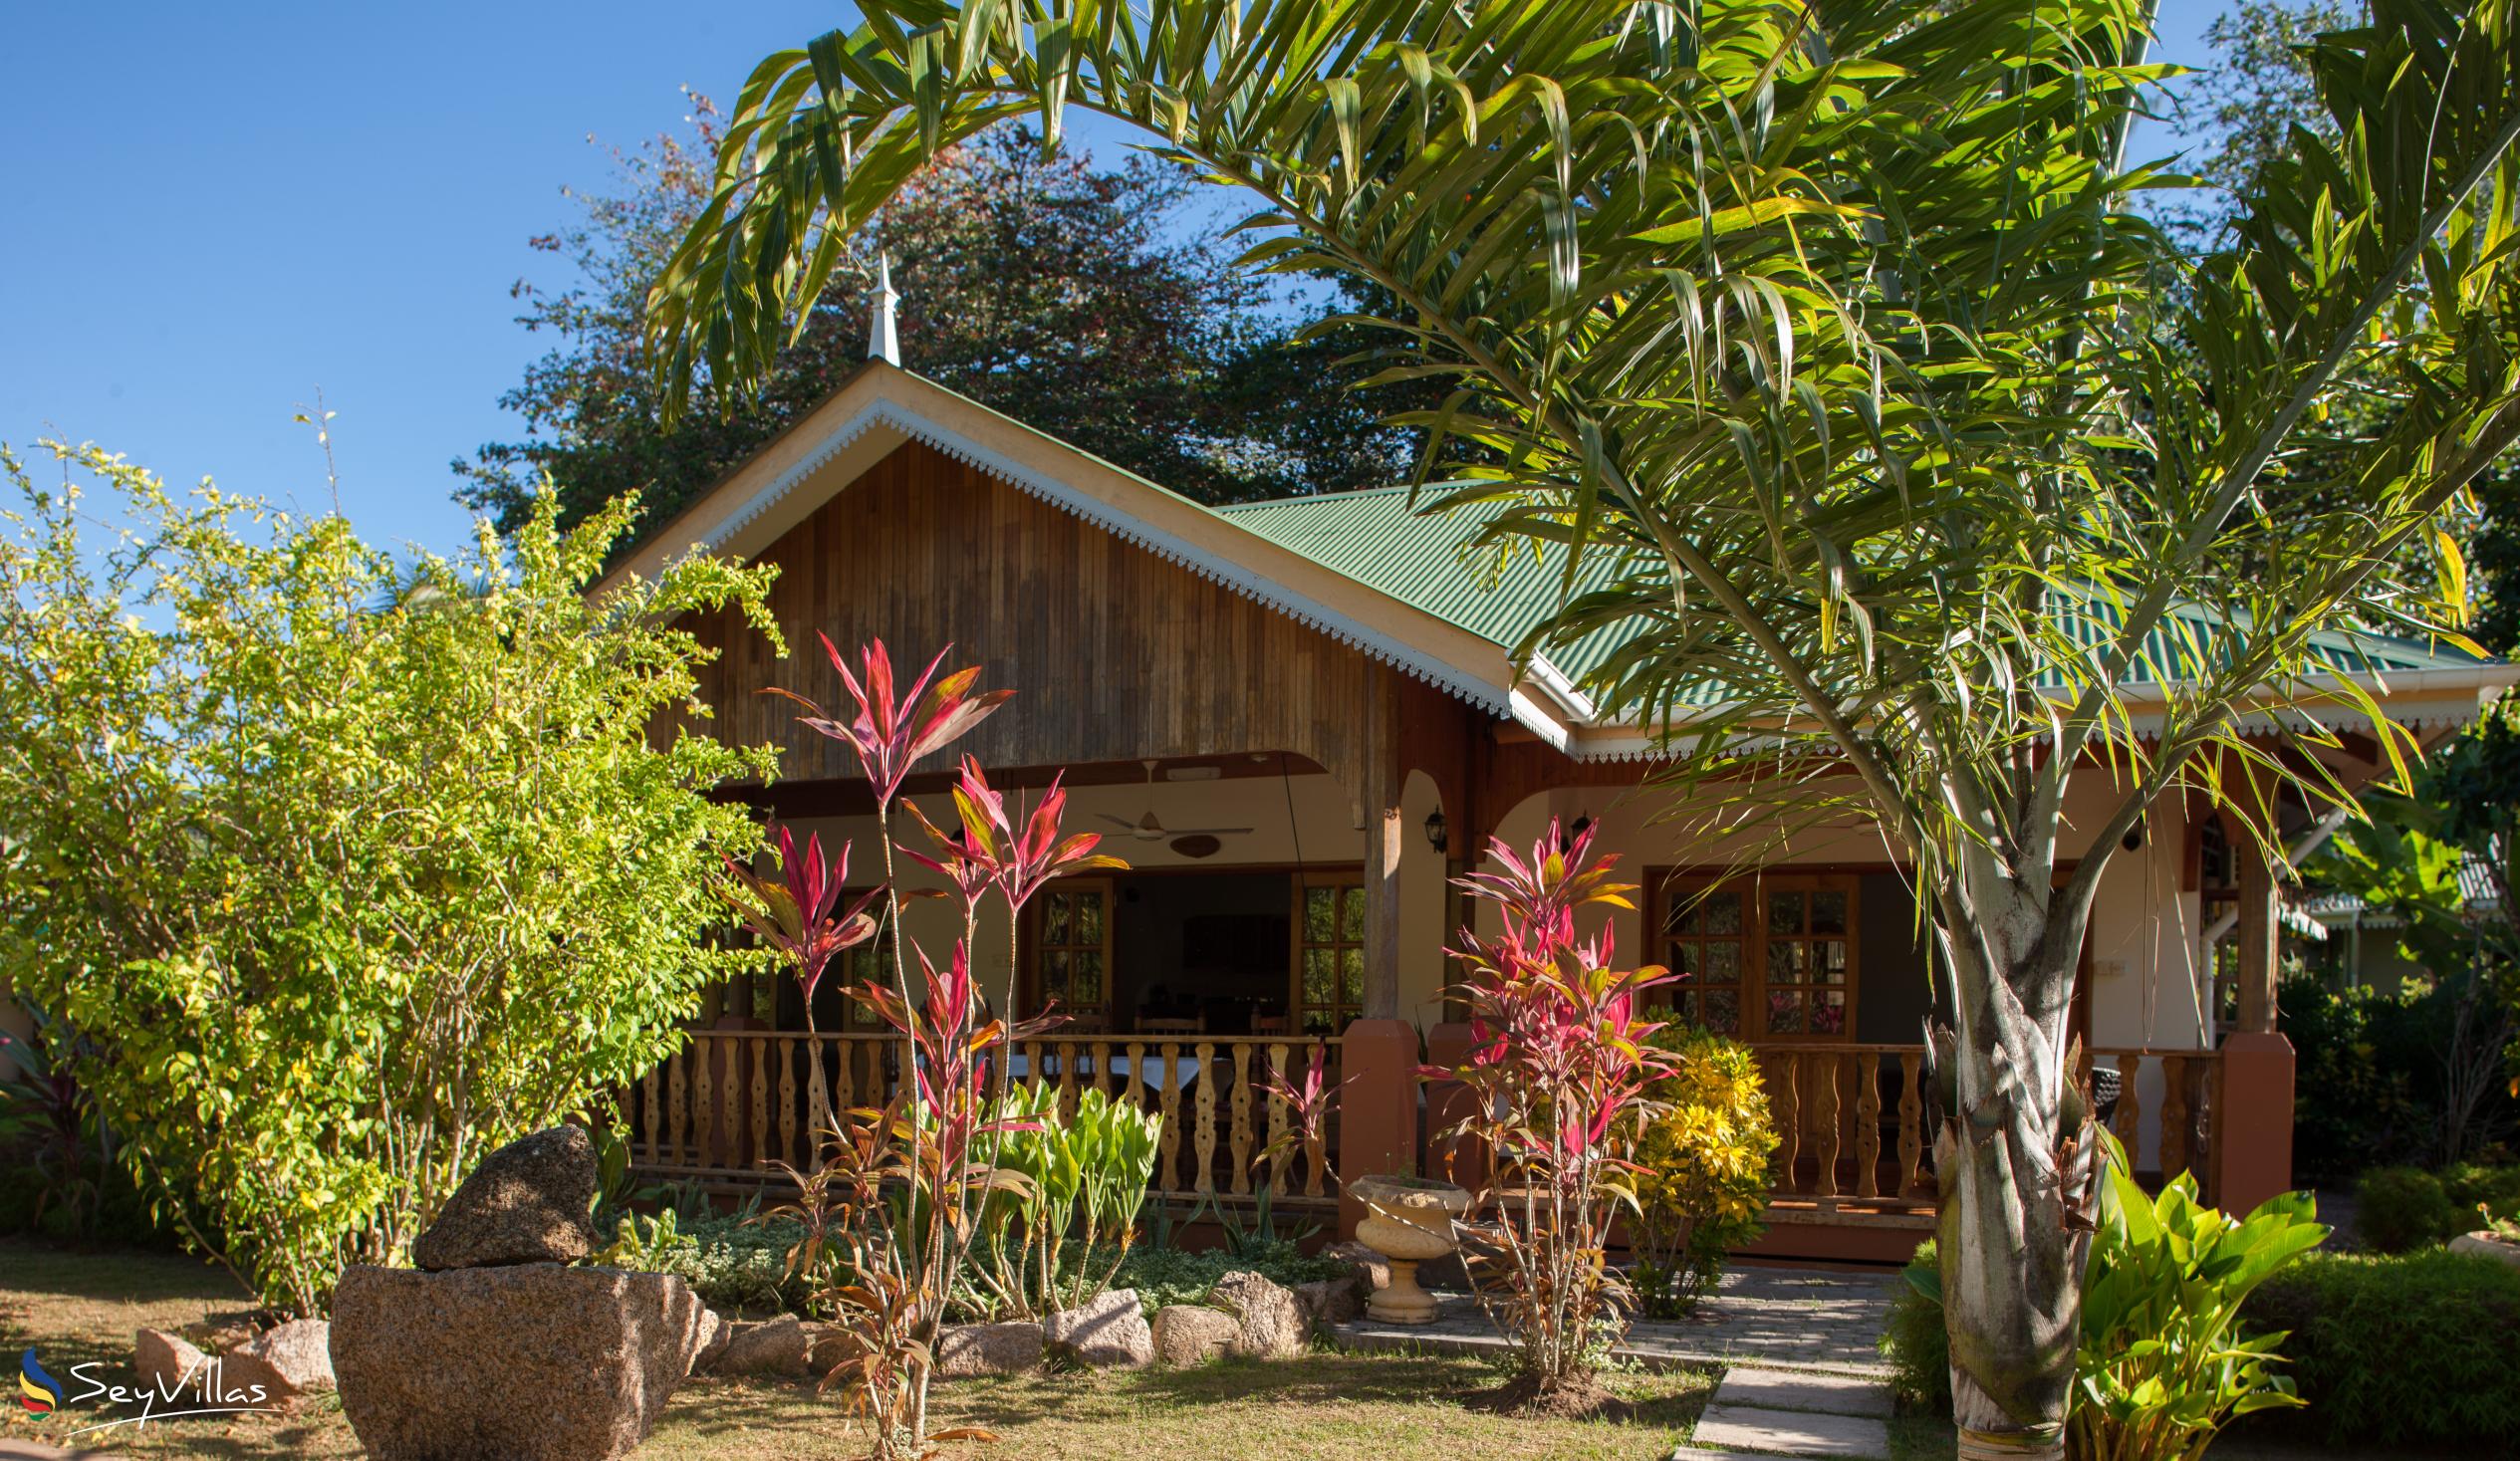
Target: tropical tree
<point x="1822" y="335"/>
<point x="334" y="877"/>
<point x="1088" y="300"/>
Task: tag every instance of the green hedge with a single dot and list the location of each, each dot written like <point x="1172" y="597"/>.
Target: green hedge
<point x="2422" y="1347"/>
<point x="2397" y="1209"/>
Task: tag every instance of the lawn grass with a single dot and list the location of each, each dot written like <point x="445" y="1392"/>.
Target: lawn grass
<point x="75" y="1306"/>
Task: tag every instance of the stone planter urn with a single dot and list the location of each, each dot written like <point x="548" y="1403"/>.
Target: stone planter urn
<point x="2483" y="1244"/>
<point x="1408" y="1220"/>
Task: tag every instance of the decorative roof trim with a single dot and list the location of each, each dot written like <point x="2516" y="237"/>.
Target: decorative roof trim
<point x="1133" y="529"/>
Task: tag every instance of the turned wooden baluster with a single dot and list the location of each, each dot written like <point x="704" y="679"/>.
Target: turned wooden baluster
<point x="1825" y="1119"/>
<point x="1242" y="1121"/>
<point x="730" y="1102"/>
<point x="787" y="1100"/>
<point x="837" y="1093"/>
<point x="676" y="1113"/>
<point x="704" y="1112"/>
<point x="652" y="1132"/>
<point x="1867" y="1124"/>
<point x="2130" y="1122"/>
<point x="1067" y="1077"/>
<point x="1911" y="1122"/>
<point x="2173" y="1116"/>
<point x="1103" y="1067"/>
<point x="1168" y="1147"/>
<point x="1206" y="1147"/>
<point x="758" y="1052"/>
<point x="1789" y="1123"/>
<point x="1279" y="1072"/>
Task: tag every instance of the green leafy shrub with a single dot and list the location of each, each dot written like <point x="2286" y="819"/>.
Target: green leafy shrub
<point x="345" y="873"/>
<point x="2471" y="1186"/>
<point x="2163" y="1363"/>
<point x="1084" y="1183"/>
<point x="1915" y="1341"/>
<point x="1704" y="1155"/>
<point x="731" y="1260"/>
<point x="2358" y="1055"/>
<point x="2403" y="1208"/>
<point x="2162" y="1359"/>
<point x="2421" y="1349"/>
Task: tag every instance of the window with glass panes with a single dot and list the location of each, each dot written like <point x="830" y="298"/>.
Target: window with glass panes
<point x="1328" y="954"/>
<point x="1771" y="957"/>
<point x="1706" y="937"/>
<point x="1072" y="947"/>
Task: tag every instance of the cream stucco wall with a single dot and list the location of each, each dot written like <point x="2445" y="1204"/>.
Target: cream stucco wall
<point x="2142" y="940"/>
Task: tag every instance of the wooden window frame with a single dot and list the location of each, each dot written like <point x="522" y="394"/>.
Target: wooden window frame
<point x="1345" y="884"/>
<point x="1669" y="888"/>
<point x="1034" y="952"/>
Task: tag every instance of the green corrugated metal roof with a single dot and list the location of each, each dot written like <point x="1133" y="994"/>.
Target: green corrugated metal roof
<point x="1423" y="560"/>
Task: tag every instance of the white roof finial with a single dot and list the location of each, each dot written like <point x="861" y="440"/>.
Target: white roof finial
<point x="883" y="344"/>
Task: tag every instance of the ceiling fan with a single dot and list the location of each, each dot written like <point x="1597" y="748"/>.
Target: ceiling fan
<point x="1149" y="828"/>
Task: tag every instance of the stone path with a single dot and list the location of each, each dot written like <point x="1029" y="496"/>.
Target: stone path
<point x="1777" y="1319"/>
<point x="1771" y="1413"/>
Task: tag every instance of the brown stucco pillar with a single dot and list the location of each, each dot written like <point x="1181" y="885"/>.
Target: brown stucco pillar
<point x="1379" y="804"/>
<point x="2253" y="1125"/>
<point x="1378" y="1111"/>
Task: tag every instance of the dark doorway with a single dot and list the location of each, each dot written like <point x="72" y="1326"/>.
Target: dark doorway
<point x="1205" y="947"/>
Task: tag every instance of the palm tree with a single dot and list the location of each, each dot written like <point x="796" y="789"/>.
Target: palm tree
<point x="1826" y="325"/>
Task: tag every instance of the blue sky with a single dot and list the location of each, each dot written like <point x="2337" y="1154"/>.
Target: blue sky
<point x="212" y="212"/>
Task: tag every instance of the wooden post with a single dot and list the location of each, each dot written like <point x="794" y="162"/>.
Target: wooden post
<point x="2260" y="927"/>
<point x="2251" y="1142"/>
<point x="1379" y="803"/>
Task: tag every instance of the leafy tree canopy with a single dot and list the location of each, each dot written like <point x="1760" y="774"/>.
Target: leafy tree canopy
<point x="342" y="876"/>
<point x="1086" y="301"/>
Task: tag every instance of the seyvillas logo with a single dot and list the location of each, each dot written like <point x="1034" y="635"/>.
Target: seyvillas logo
<point x="204" y="1389"/>
<point x="38" y="1391"/>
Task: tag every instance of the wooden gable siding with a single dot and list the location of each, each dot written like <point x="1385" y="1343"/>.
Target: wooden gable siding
<point x="1114" y="653"/>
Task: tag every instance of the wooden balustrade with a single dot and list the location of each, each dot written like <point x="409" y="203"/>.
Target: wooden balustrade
<point x="1854" y="1133"/>
<point x="731" y="1102"/>
<point x="1854" y="1123"/>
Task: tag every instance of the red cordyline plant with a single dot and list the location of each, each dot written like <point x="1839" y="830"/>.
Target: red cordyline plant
<point x="797" y="914"/>
<point x="890" y="1205"/>
<point x="1557" y="1075"/>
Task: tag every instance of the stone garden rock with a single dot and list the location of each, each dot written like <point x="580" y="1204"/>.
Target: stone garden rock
<point x="779" y="1349"/>
<point x="1331" y="1300"/>
<point x="1272" y="1325"/>
<point x="1109" y="1334"/>
<point x="167" y="1361"/>
<point x="527" y="1202"/>
<point x="1190" y="1333"/>
<point x="716" y="1333"/>
<point x="298" y="1357"/>
<point x="524" y="1363"/>
<point x="965" y="1351"/>
<point x="831" y="1346"/>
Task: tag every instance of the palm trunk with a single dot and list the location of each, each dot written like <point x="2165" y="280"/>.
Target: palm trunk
<point x="2014" y="1162"/>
